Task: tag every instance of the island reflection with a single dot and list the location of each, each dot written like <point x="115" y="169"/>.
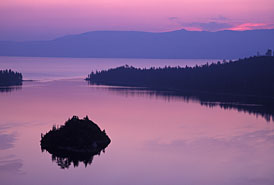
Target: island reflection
<point x="65" y="159"/>
<point x="9" y="89"/>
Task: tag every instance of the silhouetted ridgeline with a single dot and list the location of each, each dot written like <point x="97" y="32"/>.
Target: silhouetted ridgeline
<point x="10" y="78"/>
<point x="250" y="76"/>
<point x="132" y="44"/>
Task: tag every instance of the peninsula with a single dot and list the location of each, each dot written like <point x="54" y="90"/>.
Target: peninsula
<point x="248" y="77"/>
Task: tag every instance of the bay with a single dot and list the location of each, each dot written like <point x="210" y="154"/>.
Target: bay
<point x="156" y="138"/>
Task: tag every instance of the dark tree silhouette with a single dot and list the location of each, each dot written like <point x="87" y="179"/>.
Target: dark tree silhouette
<point x="249" y="76"/>
<point x="10" y="78"/>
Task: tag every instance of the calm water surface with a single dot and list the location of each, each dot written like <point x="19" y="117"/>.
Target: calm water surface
<point x="35" y="68"/>
<point x="155" y="139"/>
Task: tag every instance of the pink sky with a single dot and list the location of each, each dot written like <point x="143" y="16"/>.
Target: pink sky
<point x="47" y="19"/>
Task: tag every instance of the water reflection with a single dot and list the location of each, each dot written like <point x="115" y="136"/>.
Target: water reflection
<point x="10" y="165"/>
<point x="162" y="139"/>
<point x="258" y="106"/>
<point x="6" y="141"/>
<point x="267" y="112"/>
<point x="65" y="159"/>
<point x="10" y="89"/>
<point x="244" y="142"/>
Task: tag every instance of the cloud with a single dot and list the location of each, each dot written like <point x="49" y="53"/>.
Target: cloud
<point x="252" y="26"/>
<point x="173" y="18"/>
<point x="219" y="23"/>
<point x="208" y="26"/>
<point x="219" y="18"/>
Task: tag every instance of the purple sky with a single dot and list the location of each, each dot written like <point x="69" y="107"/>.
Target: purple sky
<point x="47" y="19"/>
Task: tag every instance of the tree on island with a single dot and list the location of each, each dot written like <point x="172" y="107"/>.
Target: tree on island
<point x="10" y="78"/>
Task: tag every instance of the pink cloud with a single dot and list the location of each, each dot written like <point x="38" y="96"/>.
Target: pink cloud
<point x="219" y="26"/>
<point x="251" y="26"/>
<point x="193" y="29"/>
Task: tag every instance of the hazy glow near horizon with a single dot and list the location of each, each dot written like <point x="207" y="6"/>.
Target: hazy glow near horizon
<point x="45" y="19"/>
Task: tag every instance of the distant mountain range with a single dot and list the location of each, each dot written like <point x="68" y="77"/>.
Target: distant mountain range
<point x="132" y="44"/>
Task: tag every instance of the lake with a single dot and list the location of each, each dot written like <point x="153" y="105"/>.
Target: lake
<point x="156" y="138"/>
<point x="35" y="68"/>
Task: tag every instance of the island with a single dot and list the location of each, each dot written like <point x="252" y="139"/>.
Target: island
<point x="78" y="140"/>
<point x="10" y="78"/>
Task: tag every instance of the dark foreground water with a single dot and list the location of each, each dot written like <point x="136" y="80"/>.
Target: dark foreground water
<point x="156" y="138"/>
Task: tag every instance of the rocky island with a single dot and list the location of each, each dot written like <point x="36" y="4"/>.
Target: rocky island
<point x="76" y="141"/>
